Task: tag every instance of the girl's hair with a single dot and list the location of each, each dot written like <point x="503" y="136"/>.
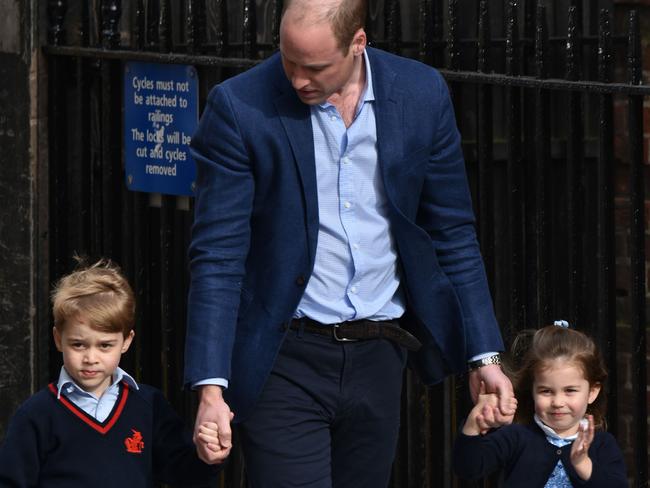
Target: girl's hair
<point x="533" y="351"/>
<point x="100" y="293"/>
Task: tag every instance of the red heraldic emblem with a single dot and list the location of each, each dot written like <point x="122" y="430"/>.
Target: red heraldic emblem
<point x="134" y="444"/>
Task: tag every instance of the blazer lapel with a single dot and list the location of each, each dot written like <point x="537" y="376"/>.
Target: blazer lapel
<point x="295" y="117"/>
<point x="388" y="115"/>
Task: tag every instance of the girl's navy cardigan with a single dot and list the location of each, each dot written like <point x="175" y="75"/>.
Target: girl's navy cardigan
<point x="528" y="459"/>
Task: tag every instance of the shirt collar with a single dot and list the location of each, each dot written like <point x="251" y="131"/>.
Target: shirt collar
<point x="119" y="375"/>
<point x="368" y="94"/>
<point x="551" y="435"/>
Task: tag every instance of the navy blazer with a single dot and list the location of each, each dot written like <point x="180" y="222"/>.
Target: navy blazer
<point x="256" y="224"/>
<point x="528" y="459"/>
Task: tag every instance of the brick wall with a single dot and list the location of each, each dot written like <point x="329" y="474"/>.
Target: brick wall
<point x="626" y="341"/>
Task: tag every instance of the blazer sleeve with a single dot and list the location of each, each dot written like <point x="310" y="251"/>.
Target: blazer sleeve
<point x="446" y="213"/>
<point x="220" y="238"/>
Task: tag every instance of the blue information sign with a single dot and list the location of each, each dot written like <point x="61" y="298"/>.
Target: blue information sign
<point x="160" y="116"/>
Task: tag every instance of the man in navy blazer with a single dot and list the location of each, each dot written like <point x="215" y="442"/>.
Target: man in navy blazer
<point x="331" y="199"/>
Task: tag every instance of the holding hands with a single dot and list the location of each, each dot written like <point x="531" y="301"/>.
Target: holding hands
<point x="491" y="379"/>
<point x="212" y="432"/>
<point x="487" y="413"/>
<point x="211" y="445"/>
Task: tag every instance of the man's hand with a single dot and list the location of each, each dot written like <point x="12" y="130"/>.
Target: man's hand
<point x="495" y="382"/>
<point x="212" y="433"/>
<point x="486" y="414"/>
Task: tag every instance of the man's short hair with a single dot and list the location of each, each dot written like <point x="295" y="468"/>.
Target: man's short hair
<point x="99" y="293"/>
<point x="346" y="20"/>
<point x="345" y="17"/>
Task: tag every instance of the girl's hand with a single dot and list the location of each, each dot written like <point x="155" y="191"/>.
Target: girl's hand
<point x="490" y="416"/>
<point x="580" y="449"/>
<point x="486" y="414"/>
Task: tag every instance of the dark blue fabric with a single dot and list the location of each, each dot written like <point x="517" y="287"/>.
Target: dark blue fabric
<point x="256" y="224"/>
<point x="527" y="458"/>
<point x="328" y="415"/>
<point x="48" y="446"/>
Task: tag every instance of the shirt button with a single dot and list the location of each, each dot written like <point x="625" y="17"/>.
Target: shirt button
<point x="353" y="289"/>
<point x="347" y="204"/>
<point x="333" y="117"/>
<point x="355" y="246"/>
<point x="346" y="160"/>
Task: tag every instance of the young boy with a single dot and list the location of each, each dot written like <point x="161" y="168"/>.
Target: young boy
<point x="96" y="426"/>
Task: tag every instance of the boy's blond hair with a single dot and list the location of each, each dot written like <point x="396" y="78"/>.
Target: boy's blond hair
<point x="99" y="293"/>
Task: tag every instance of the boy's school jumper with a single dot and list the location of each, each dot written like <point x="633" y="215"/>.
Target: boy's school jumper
<point x="528" y="459"/>
<point x="52" y="443"/>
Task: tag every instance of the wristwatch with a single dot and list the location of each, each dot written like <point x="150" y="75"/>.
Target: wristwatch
<point x="479" y="363"/>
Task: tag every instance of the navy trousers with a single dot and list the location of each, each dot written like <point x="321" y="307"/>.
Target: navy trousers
<point x="328" y="416"/>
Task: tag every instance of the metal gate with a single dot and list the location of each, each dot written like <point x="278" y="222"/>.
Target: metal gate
<point x="541" y="92"/>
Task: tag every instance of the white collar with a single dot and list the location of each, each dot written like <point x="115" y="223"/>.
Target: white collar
<point x="118" y="375"/>
<point x="551" y="433"/>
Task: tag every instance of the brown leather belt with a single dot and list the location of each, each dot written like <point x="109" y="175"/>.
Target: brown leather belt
<point x="359" y="330"/>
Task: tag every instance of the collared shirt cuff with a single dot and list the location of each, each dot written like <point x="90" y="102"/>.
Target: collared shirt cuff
<point x="211" y="381"/>
<point x="481" y="356"/>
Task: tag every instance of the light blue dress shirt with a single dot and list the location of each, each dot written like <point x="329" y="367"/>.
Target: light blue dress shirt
<point x="98" y="408"/>
<point x="355" y="273"/>
<point x="355" y="270"/>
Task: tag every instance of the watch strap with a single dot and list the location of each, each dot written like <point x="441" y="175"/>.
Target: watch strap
<point x="479" y="363"/>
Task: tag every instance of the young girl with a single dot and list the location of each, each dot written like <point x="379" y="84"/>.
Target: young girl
<point x="558" y="440"/>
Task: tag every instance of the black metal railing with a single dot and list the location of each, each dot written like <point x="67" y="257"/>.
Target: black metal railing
<point x="538" y="112"/>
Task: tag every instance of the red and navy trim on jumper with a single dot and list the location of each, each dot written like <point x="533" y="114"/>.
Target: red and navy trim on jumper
<point x="49" y="444"/>
<point x="101" y="427"/>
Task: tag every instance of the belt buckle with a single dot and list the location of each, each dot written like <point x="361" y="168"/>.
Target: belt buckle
<point x="341" y="339"/>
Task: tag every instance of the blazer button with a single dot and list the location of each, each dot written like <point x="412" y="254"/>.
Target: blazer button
<point x="559" y="452"/>
<point x="300" y="280"/>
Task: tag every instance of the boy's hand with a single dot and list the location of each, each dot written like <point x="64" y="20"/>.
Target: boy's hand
<point x="212" y="433"/>
<point x="486" y="414"/>
<point x="580" y="449"/>
<point x="209" y="435"/>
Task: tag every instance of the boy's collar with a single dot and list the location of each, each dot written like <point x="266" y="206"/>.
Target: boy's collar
<point x="66" y="380"/>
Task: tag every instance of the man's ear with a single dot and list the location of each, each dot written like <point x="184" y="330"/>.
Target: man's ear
<point x="57" y="338"/>
<point x="127" y="342"/>
<point x="594" y="390"/>
<point x="359" y="42"/>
